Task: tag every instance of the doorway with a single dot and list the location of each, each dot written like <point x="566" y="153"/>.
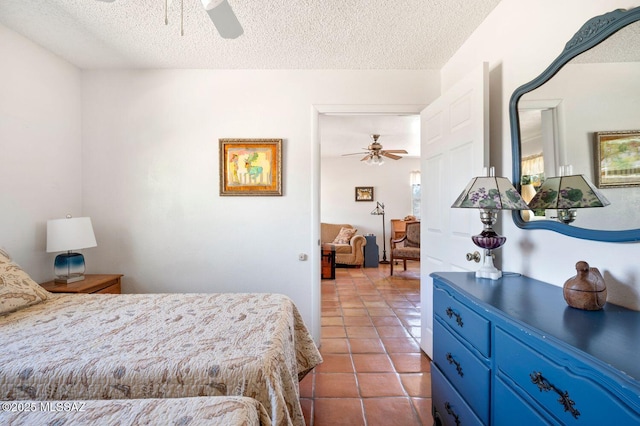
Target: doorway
<point x="316" y="112"/>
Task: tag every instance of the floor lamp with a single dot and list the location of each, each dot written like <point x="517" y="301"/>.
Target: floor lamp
<point x="379" y="211"/>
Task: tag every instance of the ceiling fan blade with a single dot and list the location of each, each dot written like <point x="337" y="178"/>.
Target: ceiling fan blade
<point x="366" y="157"/>
<point x="223" y="18"/>
<point x="354" y="153"/>
<point x="396" y="151"/>
<point x="392" y="156"/>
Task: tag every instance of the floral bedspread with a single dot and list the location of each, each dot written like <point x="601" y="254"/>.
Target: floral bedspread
<point x="215" y="410"/>
<point x="103" y="346"/>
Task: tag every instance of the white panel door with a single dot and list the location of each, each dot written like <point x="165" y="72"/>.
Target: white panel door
<point x="455" y="147"/>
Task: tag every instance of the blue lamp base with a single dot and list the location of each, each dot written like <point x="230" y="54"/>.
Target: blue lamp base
<point x="69" y="267"/>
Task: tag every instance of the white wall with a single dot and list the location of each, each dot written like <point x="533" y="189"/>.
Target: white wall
<point x="40" y="149"/>
<point x="537" y="32"/>
<point x="390" y="181"/>
<point x="151" y="182"/>
<point x="137" y="151"/>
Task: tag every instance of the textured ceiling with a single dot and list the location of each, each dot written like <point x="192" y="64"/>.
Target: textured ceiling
<point x="278" y="34"/>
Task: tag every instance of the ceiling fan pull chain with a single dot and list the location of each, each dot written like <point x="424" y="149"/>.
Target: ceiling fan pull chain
<point x="181" y="17"/>
<point x="166" y="14"/>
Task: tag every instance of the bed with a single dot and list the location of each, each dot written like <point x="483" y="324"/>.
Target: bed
<point x="133" y="346"/>
<point x="216" y="410"/>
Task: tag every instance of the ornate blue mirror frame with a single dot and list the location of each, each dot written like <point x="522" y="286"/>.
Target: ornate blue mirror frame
<point x="592" y="33"/>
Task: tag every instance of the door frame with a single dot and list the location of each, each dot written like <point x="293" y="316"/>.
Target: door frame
<point x="551" y="149"/>
<point x="346" y="109"/>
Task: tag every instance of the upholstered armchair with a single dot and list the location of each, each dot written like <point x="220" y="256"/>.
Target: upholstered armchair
<point x="407" y="247"/>
<point x="349" y="252"/>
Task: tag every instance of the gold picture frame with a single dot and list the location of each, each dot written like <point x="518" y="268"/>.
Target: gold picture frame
<point x="250" y="167"/>
<point x="364" y="193"/>
<point x="617" y="155"/>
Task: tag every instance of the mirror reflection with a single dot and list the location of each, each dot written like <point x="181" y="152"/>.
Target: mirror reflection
<point x="597" y="91"/>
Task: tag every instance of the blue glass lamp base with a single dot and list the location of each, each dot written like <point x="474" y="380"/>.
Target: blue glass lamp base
<point x="69" y="267"/>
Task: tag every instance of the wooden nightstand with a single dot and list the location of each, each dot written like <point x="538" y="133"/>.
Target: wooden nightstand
<point x="92" y="283"/>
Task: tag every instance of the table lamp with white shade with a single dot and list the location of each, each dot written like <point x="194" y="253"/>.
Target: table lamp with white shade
<point x="69" y="234"/>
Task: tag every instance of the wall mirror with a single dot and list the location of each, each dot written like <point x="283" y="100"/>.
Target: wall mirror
<point x="591" y="87"/>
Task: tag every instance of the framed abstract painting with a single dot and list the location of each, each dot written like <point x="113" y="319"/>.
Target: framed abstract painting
<point x="250" y="166"/>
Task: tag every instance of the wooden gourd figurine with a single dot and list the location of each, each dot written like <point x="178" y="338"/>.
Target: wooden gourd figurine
<point x="586" y="290"/>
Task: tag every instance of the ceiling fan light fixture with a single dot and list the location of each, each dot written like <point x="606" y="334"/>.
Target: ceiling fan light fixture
<point x="223" y="18"/>
<point x="375" y="153"/>
<point x="375" y="160"/>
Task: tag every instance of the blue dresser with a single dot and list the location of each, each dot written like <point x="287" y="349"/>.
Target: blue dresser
<point x="511" y="352"/>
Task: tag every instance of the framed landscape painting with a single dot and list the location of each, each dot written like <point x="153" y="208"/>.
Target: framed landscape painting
<point x="250" y="166"/>
<point x="617" y="158"/>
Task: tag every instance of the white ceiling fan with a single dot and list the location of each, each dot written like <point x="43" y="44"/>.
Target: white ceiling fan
<point x="220" y="13"/>
<point x="375" y="152"/>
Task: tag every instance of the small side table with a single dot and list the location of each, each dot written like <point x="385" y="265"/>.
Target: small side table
<point x="92" y="283"/>
<point x="328" y="262"/>
<point x="371" y="252"/>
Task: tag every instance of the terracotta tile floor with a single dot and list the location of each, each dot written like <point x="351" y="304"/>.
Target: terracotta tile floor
<point x="374" y="372"/>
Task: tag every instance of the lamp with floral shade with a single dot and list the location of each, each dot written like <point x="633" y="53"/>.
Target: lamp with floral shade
<point x="489" y="194"/>
<point x="566" y="194"/>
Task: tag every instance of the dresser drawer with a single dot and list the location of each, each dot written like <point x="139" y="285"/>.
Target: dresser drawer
<point x="449" y="405"/>
<point x="510" y="409"/>
<point x="112" y="289"/>
<point x="471" y="326"/>
<point x="562" y="386"/>
<point x="465" y="371"/>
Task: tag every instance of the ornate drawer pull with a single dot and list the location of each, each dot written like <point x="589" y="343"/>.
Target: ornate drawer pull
<point x="457" y="364"/>
<point x="450" y="313"/>
<point x="452" y="413"/>
<point x="544" y="385"/>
